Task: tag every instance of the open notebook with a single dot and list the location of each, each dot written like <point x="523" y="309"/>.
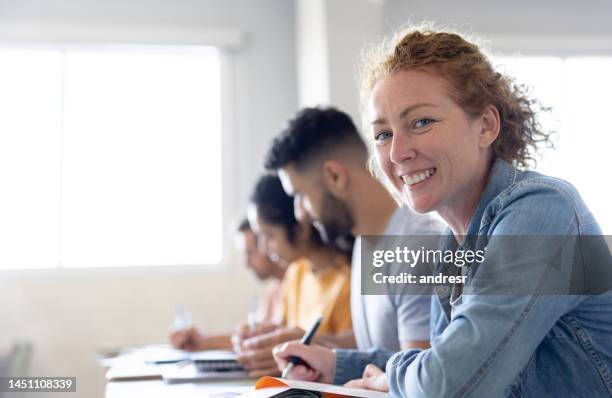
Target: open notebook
<point x="275" y="387"/>
<point x="161" y="361"/>
<point x="164" y="354"/>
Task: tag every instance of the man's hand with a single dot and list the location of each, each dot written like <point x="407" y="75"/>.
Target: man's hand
<point x="255" y="353"/>
<point x="189" y="339"/>
<point x="373" y="379"/>
<point x="319" y="362"/>
<point x="273" y="338"/>
<point x="258" y="363"/>
<point x="245" y="331"/>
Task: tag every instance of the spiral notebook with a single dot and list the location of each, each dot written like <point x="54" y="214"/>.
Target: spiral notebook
<point x="218" y="361"/>
<point x="189" y="373"/>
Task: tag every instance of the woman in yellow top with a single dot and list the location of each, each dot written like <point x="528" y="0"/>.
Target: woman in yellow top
<point x="316" y="281"/>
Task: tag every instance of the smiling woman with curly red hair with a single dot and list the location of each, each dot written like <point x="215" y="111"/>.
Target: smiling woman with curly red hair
<point x="453" y="136"/>
<point x="450" y="134"/>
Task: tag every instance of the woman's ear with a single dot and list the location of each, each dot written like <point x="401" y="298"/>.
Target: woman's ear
<point x="490" y="125"/>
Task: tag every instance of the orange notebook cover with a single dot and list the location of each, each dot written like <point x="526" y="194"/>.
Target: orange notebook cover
<point x="271" y="386"/>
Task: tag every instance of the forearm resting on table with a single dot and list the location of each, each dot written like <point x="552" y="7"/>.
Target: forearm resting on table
<point x="217" y="342"/>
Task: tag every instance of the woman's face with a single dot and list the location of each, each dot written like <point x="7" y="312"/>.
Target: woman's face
<point x="256" y="257"/>
<point x="275" y="242"/>
<point x="432" y="151"/>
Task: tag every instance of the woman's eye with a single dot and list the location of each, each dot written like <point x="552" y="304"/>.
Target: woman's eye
<point x="420" y="123"/>
<point x="382" y="136"/>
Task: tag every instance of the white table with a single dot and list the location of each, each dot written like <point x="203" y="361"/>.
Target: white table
<point x="134" y="363"/>
<point x="159" y="389"/>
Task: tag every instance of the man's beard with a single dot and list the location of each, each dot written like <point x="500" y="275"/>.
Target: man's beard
<point x="335" y="223"/>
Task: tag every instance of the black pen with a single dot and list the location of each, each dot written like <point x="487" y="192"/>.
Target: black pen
<point x="305" y="340"/>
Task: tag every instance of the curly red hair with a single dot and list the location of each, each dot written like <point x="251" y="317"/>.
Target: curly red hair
<point x="474" y="85"/>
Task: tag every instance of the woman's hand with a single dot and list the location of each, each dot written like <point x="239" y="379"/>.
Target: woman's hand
<point x="189" y="339"/>
<point x="319" y="363"/>
<point x="373" y="379"/>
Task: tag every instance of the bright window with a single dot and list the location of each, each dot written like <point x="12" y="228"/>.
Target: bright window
<point x="578" y="90"/>
<point x="110" y="156"/>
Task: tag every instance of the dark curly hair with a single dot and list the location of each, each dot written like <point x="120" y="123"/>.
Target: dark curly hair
<point x="312" y="134"/>
<point x="474" y="85"/>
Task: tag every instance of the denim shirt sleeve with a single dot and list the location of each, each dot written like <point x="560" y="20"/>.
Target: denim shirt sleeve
<point x="490" y="337"/>
<point x="351" y="363"/>
<point x="413" y="317"/>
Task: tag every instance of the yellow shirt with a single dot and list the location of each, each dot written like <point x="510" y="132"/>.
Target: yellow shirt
<point x="307" y="294"/>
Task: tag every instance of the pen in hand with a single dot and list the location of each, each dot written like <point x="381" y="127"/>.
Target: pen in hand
<point x="182" y="318"/>
<point x="182" y="322"/>
<point x="293" y="360"/>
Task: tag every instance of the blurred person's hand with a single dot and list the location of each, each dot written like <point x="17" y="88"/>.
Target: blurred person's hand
<point x="255" y="353"/>
<point x="373" y="379"/>
<point x="189" y="339"/>
<point x="246" y="331"/>
<point x="273" y="338"/>
<point x="319" y="363"/>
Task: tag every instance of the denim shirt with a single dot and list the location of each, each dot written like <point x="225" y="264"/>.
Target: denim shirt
<point x="517" y="345"/>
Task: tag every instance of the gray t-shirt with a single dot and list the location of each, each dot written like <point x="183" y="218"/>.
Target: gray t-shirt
<point x="387" y="321"/>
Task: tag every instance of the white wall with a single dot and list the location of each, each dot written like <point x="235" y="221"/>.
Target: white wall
<point x="352" y="25"/>
<point x="330" y="37"/>
<point x="69" y="314"/>
<point x="542" y="27"/>
<point x="312" y="52"/>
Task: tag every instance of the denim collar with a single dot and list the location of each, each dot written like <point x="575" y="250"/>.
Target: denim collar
<point x="501" y="176"/>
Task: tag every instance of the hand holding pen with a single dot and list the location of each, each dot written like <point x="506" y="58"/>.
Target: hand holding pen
<point x="294" y="360"/>
<point x="183" y="335"/>
<point x="318" y="361"/>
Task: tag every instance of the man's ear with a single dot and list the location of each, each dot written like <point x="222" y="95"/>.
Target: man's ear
<point x="490" y="125"/>
<point x="335" y="177"/>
